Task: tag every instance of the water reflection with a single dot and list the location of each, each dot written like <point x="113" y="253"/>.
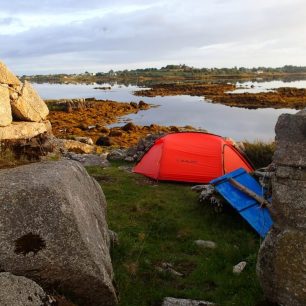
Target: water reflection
<point x="256" y="87"/>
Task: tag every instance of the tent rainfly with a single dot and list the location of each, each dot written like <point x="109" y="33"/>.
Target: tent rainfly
<point x="191" y="157"/>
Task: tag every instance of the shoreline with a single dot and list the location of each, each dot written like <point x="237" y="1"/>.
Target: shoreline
<point x="142" y="78"/>
<point x="283" y="97"/>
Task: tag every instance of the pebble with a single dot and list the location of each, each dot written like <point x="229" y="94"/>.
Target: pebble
<point x="239" y="267"/>
<point x="206" y="244"/>
<point x="170" y="301"/>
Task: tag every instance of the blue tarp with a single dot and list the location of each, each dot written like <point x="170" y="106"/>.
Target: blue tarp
<point x="258" y="217"/>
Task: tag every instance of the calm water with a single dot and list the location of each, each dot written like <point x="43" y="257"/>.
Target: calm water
<point x="237" y="123"/>
<point x="255" y="87"/>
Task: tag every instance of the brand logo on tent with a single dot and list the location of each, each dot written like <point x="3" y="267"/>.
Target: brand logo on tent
<point x="187" y="161"/>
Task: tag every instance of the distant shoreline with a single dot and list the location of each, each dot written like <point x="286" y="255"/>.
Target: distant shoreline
<point x="175" y="73"/>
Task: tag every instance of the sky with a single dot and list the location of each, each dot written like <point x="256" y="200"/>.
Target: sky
<point x="73" y="36"/>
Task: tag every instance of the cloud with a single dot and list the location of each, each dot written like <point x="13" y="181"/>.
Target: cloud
<point x="128" y="34"/>
<point x="63" y="6"/>
<point x="7" y="20"/>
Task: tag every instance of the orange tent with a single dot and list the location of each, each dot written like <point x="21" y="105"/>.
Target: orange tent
<point x="191" y="157"/>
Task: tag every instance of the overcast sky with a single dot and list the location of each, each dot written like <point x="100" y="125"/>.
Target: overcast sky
<point x="52" y="36"/>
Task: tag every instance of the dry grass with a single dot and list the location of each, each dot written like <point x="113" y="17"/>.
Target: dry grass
<point x="260" y="153"/>
<point x="9" y="160"/>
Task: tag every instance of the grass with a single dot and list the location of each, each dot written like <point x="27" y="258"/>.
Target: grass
<point x="18" y="153"/>
<point x="159" y="222"/>
<point x="260" y="153"/>
<point x="9" y="160"/>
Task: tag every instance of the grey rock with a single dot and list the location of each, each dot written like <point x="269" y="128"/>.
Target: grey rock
<point x="209" y="195"/>
<point x="86" y="140"/>
<point x="291" y="127"/>
<point x="290" y="173"/>
<point x="133" y="151"/>
<point x="289" y="197"/>
<point x="117" y="154"/>
<point x="198" y="188"/>
<point x="129" y="159"/>
<point x="20" y="291"/>
<point x="136" y="152"/>
<point x="281" y="263"/>
<point x="237" y="269"/>
<point x="281" y="266"/>
<point x="5" y="106"/>
<point x="291" y="137"/>
<point x="88" y="160"/>
<point x="166" y="267"/>
<point x="206" y="193"/>
<point x="206" y="244"/>
<point x="53" y="230"/>
<point x="113" y="238"/>
<point x="170" y="301"/>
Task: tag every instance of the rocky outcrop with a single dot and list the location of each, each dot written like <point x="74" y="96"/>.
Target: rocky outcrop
<point x="89" y="160"/>
<point x="5" y="106"/>
<point x="136" y="152"/>
<point x="86" y="140"/>
<point x="291" y="138"/>
<point x="117" y="154"/>
<point x="20" y="291"/>
<point x="24" y="130"/>
<point x="21" y="102"/>
<point x="69" y="145"/>
<point x="69" y="105"/>
<point x="281" y="265"/>
<point x="53" y="230"/>
<point x="29" y="106"/>
<point x="7" y="77"/>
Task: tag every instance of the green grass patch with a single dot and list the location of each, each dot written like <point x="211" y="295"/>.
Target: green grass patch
<point x="159" y="222"/>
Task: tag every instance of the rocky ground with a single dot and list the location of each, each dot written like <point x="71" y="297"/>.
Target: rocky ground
<point x="284" y="97"/>
<point x="192" y="89"/>
<point x="92" y="120"/>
